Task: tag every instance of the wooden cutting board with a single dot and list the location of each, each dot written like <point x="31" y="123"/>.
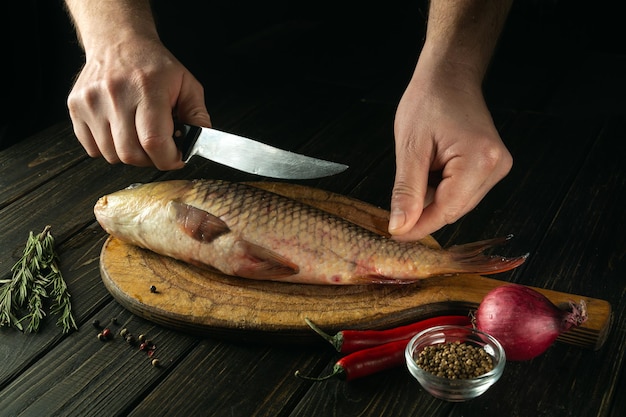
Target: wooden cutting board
<point x="211" y="304"/>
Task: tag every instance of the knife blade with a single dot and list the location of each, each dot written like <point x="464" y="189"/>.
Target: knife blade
<point x="249" y="155"/>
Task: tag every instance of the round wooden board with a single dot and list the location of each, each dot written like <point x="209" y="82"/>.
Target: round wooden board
<point x="208" y="303"/>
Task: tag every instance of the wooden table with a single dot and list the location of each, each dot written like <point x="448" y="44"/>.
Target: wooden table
<point x="564" y="201"/>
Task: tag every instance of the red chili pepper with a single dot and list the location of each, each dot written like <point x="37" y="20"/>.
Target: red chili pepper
<point x="347" y="341"/>
<point x="366" y="362"/>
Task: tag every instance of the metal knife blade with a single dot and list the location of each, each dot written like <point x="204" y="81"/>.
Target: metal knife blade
<point x="250" y="155"/>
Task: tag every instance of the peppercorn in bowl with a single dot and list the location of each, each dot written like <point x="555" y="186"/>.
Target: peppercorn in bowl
<point x="455" y="363"/>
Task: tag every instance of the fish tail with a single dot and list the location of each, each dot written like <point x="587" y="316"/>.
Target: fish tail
<point x="469" y="258"/>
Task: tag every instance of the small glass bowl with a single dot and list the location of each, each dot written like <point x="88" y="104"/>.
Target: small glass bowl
<point x="455" y="389"/>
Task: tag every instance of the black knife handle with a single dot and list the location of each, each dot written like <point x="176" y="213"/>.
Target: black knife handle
<point x="185" y="137"/>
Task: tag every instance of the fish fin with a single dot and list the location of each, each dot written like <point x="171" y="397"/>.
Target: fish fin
<point x="469" y="258"/>
<point x="197" y="223"/>
<point x="257" y="262"/>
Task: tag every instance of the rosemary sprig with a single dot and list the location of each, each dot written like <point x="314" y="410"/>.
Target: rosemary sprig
<point x="61" y="306"/>
<point x="35" y="303"/>
<point x="33" y="274"/>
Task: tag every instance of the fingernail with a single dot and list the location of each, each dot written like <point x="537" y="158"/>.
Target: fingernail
<point x="397" y="219"/>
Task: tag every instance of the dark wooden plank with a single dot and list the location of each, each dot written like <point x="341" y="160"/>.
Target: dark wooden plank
<point x="618" y="403"/>
<point x="85" y="376"/>
<point x="390" y="393"/>
<point x="232" y="379"/>
<point x="30" y="163"/>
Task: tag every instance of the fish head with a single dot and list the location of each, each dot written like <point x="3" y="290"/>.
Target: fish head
<point x="121" y="208"/>
<point x="134" y="205"/>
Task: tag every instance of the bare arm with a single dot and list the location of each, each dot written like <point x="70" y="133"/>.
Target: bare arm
<point x="98" y="23"/>
<point x="443" y="124"/>
<point x="465" y="32"/>
<point x="123" y="100"/>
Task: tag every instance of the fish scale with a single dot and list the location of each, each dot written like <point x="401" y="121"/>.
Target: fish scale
<point x="245" y="231"/>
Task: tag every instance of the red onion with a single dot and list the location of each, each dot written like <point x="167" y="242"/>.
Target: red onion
<point x="524" y="321"/>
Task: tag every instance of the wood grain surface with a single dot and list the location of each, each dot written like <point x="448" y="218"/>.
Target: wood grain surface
<point x="209" y="303"/>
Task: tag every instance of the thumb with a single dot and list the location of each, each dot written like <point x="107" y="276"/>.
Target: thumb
<point x="414" y="156"/>
<point x="408" y="195"/>
<point x="406" y="207"/>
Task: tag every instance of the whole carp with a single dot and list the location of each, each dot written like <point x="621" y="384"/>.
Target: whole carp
<point x="245" y="231"/>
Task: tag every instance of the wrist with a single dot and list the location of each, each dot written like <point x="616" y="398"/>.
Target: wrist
<point x="104" y="36"/>
<point x="123" y="43"/>
<point x="100" y="24"/>
<point x="450" y="67"/>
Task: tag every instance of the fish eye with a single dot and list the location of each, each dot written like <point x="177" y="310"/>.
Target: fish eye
<point x="134" y="185"/>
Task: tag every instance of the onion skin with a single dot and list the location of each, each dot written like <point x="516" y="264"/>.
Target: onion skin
<point x="524" y="321"/>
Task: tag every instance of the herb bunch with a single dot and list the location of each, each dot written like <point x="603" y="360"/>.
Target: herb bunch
<point x="36" y="277"/>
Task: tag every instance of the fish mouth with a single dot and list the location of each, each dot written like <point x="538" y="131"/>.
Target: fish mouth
<point x="101" y="205"/>
<point x="102" y="212"/>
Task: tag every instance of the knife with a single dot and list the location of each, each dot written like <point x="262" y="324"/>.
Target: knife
<point x="250" y="155"/>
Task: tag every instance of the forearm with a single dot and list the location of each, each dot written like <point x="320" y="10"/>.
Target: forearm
<point x="102" y="22"/>
<point x="463" y="34"/>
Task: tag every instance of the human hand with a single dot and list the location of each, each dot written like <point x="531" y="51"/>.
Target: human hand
<point x="124" y="99"/>
<point x="442" y="126"/>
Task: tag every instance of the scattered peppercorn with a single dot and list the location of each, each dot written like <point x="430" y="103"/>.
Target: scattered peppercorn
<point x="106" y="333"/>
<point x="145" y="345"/>
<point x="455" y="360"/>
<point x="153" y="289"/>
